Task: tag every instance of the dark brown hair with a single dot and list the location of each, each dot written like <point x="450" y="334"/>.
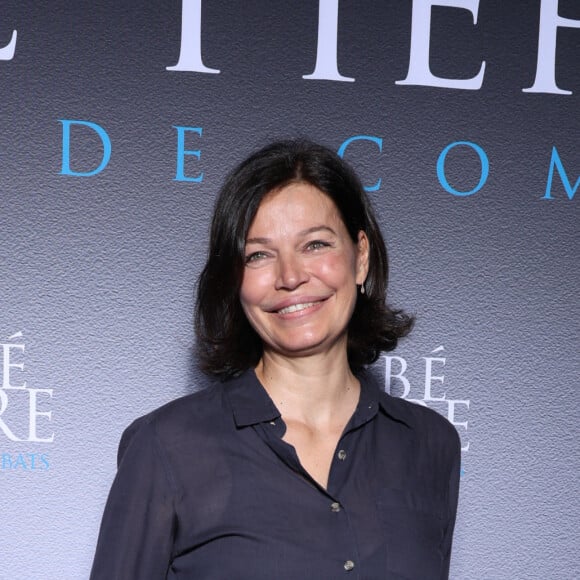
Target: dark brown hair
<point x="227" y="344"/>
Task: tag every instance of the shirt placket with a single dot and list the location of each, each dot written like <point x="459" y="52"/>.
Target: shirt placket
<point x="347" y="544"/>
<point x="337" y="481"/>
<point x="341" y="473"/>
<point x="345" y="539"/>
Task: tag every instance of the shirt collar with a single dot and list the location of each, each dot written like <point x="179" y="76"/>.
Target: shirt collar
<point x="251" y="404"/>
<point x="373" y="394"/>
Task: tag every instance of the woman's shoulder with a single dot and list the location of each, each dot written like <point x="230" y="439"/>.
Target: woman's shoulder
<point x="435" y="440"/>
<point x="422" y="420"/>
<point x="421" y="416"/>
<point x="204" y="401"/>
<point x="201" y="411"/>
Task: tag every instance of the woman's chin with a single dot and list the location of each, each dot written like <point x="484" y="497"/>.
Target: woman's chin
<point x="303" y="347"/>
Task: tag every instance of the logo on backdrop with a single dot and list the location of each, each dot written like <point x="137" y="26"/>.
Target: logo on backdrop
<point x="188" y="157"/>
<point x="419" y="72"/>
<point x="25" y="415"/>
<point x="421" y="381"/>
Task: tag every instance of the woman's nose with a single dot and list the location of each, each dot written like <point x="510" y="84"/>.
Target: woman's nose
<point x="291" y="272"/>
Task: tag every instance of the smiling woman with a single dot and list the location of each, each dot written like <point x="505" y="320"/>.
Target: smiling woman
<point x="289" y="167"/>
<point x="302" y="269"/>
<point x="295" y="464"/>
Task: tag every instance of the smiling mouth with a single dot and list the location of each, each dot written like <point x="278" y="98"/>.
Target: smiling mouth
<point x="297" y="307"/>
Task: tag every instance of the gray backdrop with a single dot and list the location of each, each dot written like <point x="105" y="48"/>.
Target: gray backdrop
<point x="99" y="253"/>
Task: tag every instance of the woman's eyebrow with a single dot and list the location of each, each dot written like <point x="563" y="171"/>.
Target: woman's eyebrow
<point x="263" y="241"/>
<point x="301" y="234"/>
<point x="315" y="229"/>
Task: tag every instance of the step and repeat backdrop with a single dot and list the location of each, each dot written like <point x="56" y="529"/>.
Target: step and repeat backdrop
<point x="119" y="120"/>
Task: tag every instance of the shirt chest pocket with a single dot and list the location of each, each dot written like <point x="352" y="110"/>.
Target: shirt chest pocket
<point x="414" y="525"/>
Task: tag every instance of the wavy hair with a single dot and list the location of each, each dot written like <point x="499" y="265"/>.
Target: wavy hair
<point x="226" y="342"/>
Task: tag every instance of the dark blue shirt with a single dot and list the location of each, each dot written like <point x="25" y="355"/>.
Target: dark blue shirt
<point x="207" y="489"/>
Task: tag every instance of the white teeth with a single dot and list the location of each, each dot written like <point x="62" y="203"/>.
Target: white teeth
<point x="296" y="307"/>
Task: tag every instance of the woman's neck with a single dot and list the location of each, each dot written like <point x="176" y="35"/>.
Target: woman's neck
<point x="314" y="390"/>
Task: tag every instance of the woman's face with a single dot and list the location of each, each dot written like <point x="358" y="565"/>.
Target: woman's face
<point x="301" y="273"/>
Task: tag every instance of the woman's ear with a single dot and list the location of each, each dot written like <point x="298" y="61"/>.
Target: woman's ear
<point x="363" y="256"/>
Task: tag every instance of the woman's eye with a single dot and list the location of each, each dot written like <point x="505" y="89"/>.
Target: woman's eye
<point x="254" y="257"/>
<point x="317" y="245"/>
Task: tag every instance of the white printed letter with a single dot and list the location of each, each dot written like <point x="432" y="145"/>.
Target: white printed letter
<point x="34" y="414"/>
<point x="429" y="378"/>
<point x="546" y="67"/>
<point x="3" y="427"/>
<point x="190" y="51"/>
<point x="326" y="66"/>
<point x="451" y="417"/>
<point x="401" y="375"/>
<point x="7" y="365"/>
<point x="419" y="72"/>
<point x="7" y="53"/>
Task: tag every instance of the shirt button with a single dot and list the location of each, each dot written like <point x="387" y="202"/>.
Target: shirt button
<point x="348" y="565"/>
<point x="273" y="423"/>
<point x="342" y="456"/>
<point x="335" y="506"/>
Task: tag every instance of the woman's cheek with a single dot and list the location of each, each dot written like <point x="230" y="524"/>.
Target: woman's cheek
<point x="336" y="267"/>
<point x="256" y="282"/>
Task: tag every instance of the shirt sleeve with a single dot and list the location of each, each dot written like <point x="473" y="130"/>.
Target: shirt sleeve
<point x="136" y="535"/>
<point x="452" y="508"/>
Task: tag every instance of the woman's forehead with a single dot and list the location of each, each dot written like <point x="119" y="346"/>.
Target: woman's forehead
<point x="296" y="207"/>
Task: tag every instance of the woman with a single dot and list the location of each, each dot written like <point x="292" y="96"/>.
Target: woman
<point x="296" y="465"/>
